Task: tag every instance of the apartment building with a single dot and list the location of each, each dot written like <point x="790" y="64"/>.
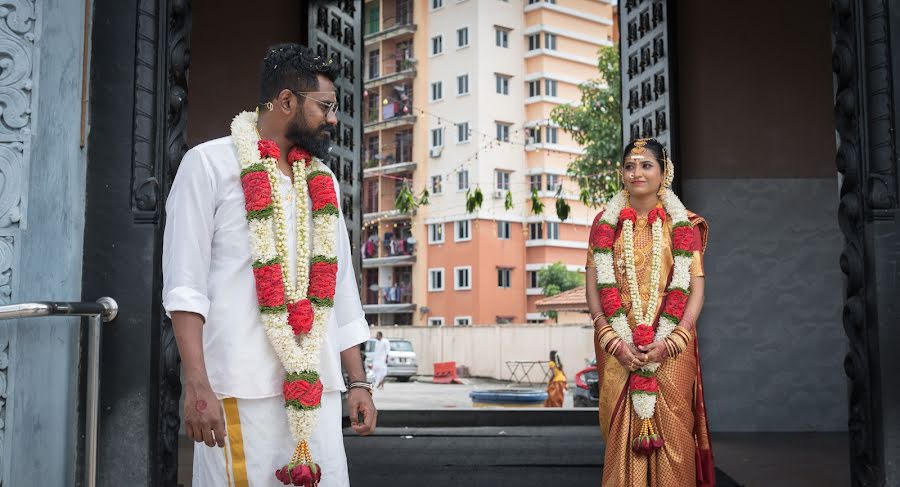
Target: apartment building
<point x="458" y="99"/>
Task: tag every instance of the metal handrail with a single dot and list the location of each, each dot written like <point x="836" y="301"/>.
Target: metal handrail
<point x="104" y="310"/>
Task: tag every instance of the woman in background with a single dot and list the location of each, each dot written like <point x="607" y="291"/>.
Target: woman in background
<point x="556" y="389"/>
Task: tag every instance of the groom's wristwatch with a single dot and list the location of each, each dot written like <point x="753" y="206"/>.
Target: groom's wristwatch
<point x="361" y="385"/>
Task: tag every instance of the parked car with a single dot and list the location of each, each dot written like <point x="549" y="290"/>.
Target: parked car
<point x="401" y="359"/>
<point x="587" y="390"/>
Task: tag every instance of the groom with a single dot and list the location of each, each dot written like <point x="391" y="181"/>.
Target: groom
<point x="234" y="373"/>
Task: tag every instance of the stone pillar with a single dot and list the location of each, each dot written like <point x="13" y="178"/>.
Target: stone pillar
<point x="865" y="33"/>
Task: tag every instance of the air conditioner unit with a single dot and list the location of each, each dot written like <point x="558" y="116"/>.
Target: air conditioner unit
<point x="498" y="194"/>
<point x="436" y="151"/>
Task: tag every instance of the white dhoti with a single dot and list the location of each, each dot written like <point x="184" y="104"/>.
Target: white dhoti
<point x="379" y="371"/>
<point x="259" y="442"/>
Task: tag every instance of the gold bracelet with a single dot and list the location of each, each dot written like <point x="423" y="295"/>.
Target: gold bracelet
<point x="604" y="335"/>
<point x="599" y="316"/>
<point x="617" y="344"/>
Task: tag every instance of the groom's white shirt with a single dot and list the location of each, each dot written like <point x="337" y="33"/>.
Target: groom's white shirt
<point x="207" y="270"/>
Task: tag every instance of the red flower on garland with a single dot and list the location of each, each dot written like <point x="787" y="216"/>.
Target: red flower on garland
<point x="643" y="335"/>
<point x="257" y="190"/>
<point x="322" y="278"/>
<point x="298" y="154"/>
<point x="683" y="238"/>
<point x="602" y="236"/>
<point x="303" y="392"/>
<point x="627" y="214"/>
<point x="321" y="190"/>
<point x="269" y="287"/>
<point x="643" y="384"/>
<point x="300" y="316"/>
<point x="610" y="301"/>
<point x="268" y="148"/>
<point x="655" y="213"/>
<point x="675" y="303"/>
<point x="313" y="395"/>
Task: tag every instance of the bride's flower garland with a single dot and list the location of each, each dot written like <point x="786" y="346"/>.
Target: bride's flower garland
<point x="295" y="314"/>
<point x="642" y="382"/>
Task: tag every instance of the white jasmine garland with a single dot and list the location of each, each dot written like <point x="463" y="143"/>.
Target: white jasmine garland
<point x="644" y="404"/>
<point x="268" y="241"/>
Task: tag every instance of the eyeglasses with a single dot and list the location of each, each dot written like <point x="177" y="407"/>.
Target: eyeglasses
<point x="331" y="106"/>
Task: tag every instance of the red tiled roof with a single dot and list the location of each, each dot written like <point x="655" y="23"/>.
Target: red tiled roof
<point x="571" y="300"/>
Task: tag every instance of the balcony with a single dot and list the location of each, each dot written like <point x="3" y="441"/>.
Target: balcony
<point x="394" y="248"/>
<point x="389" y="215"/>
<point x="391" y="159"/>
<point x="391" y="27"/>
<point x="392" y="70"/>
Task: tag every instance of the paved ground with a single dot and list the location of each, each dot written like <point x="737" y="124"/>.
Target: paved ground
<point x="421" y="393"/>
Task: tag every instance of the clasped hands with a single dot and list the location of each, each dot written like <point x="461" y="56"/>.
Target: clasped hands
<point x="633" y="358"/>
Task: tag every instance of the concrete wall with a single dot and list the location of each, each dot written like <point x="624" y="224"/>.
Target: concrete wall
<point x="486" y="349"/>
<point x="43" y="174"/>
<point x="756" y="134"/>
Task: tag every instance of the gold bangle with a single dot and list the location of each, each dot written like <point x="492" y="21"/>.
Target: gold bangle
<point x="597" y="317"/>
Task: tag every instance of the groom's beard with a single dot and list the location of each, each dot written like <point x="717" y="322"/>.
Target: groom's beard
<point x="316" y="141"/>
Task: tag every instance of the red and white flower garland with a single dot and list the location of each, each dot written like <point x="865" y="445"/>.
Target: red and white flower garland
<point x="642" y="382"/>
<point x="295" y="314"/>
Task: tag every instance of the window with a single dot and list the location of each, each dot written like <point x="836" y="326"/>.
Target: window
<point x="550" y="87"/>
<point x="462" y="231"/>
<point x="502" y="180"/>
<point x="534" y="88"/>
<point x="436" y="233"/>
<point x="503" y="279"/>
<point x="550" y="41"/>
<point x="436" y="185"/>
<point x="503" y="131"/>
<point x="533" y="279"/>
<point x="552" y="135"/>
<point x="534" y="42"/>
<point x="462" y="37"/>
<point x="374" y="65"/>
<point x="502" y="36"/>
<point x="552" y="231"/>
<point x="437" y="45"/>
<point x="462" y="84"/>
<point x="535" y="231"/>
<point x="552" y="182"/>
<point x="503" y="230"/>
<point x="534" y="134"/>
<point x="437" y="137"/>
<point x="436" y="321"/>
<point x="535" y="180"/>
<point x="461" y="278"/>
<point x="436" y="279"/>
<point x="463" y="180"/>
<point x="436" y="4"/>
<point x="437" y="90"/>
<point x="462" y="132"/>
<point x="502" y="83"/>
<point x="462" y="321"/>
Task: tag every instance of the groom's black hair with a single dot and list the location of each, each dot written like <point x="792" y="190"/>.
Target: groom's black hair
<point x="294" y="67"/>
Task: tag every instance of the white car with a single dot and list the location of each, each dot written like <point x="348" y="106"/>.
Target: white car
<point x="401" y="359"/>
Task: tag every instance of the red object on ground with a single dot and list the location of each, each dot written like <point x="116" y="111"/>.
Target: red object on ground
<point x="445" y="373"/>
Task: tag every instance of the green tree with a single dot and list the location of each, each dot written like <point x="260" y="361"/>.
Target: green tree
<point x="596" y="125"/>
<point x="555" y="279"/>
